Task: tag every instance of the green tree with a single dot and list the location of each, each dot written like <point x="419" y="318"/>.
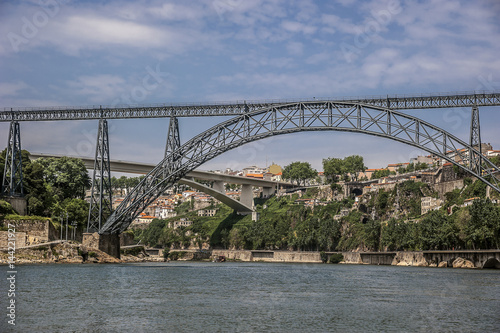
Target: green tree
<point x="299" y="172"/>
<point x="67" y="177"/>
<point x="333" y="168"/>
<point x="354" y="164"/>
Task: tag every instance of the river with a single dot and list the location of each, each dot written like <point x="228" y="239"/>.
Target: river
<point x="252" y="297"/>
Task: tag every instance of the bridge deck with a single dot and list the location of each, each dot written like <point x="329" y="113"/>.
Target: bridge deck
<point x="401" y="102"/>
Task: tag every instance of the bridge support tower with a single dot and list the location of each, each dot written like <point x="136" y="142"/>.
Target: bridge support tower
<point x="475" y="139"/>
<point x="100" y="201"/>
<point x="12" y="184"/>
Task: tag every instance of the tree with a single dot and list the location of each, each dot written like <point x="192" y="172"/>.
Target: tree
<point x="333" y="168"/>
<point x="495" y="160"/>
<point x="299" y="172"/>
<point x="354" y="164"/>
<point x="66" y="176"/>
<point x="336" y="167"/>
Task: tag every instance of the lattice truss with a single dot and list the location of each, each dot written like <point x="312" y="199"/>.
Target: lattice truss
<point x="100" y="201"/>
<point x="12" y="184"/>
<point x="291" y="118"/>
<point x="239" y="108"/>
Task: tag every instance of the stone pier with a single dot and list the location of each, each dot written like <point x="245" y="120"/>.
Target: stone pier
<point x="107" y="243"/>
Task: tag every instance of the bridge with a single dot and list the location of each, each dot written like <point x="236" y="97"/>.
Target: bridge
<point x="243" y="207"/>
<point x="378" y="116"/>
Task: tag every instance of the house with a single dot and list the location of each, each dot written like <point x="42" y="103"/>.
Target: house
<point x="429" y="203"/>
<point x="470" y="201"/>
<point x="254" y="170"/>
<point x="165" y="212"/>
<point x="207" y="212"/>
<point x="181" y="223"/>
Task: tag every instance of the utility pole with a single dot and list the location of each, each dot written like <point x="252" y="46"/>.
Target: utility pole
<point x="62" y="222"/>
<point x="66" y="226"/>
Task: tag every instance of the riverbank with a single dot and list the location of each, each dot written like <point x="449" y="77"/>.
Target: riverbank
<point x="455" y="259"/>
<point x="73" y="252"/>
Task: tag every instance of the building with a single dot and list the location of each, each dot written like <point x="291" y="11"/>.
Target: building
<point x="181" y="223"/>
<point x="207" y="212"/>
<point x="470" y="201"/>
<point x="143" y="220"/>
<point x="254" y="170"/>
<point x="275" y="169"/>
<point x="429" y="203"/>
<point x="165" y="212"/>
<point x="422" y="159"/>
<point x="491" y="153"/>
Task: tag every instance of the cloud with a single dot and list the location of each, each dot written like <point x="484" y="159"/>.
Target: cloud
<point x="12" y="89"/>
<point x="98" y="88"/>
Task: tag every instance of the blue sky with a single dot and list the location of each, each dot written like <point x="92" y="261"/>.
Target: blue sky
<point x="63" y="52"/>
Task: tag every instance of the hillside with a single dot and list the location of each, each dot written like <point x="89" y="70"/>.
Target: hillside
<point x="377" y="221"/>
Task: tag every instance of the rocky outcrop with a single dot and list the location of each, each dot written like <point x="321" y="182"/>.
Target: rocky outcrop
<point x="410" y="259"/>
<point x="351" y="258"/>
<point x="443" y="264"/>
<point x="69" y="252"/>
<point x="462" y="263"/>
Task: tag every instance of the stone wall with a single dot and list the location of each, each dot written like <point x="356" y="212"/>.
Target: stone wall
<point x="352" y="258"/>
<point x="109" y="244"/>
<point x="269" y="256"/>
<point x="19" y="204"/>
<point x="410" y="259"/>
<point x="20" y="239"/>
<point x="36" y="231"/>
<point x="443" y="188"/>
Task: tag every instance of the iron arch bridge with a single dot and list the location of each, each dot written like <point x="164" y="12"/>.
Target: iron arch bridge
<point x="292" y="118"/>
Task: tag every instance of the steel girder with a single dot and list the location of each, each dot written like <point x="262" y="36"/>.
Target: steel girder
<point x="475" y="137"/>
<point x="292" y="118"/>
<point x="12" y="184"/>
<point x="238" y="108"/>
<point x="100" y="201"/>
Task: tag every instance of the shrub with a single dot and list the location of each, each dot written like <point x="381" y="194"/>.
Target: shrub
<point x="335" y="258"/>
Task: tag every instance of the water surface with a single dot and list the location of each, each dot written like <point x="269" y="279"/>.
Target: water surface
<point x="253" y="297"/>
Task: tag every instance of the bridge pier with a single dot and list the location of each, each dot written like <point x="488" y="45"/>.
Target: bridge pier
<point x="109" y="243"/>
<point x="246" y="196"/>
<point x="218" y="185"/>
<point x="268" y="191"/>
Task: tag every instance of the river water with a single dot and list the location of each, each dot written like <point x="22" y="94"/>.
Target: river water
<point x="252" y="297"/>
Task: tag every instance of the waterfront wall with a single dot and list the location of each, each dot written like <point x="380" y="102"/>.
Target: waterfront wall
<point x="458" y="259"/>
<point x="269" y="256"/>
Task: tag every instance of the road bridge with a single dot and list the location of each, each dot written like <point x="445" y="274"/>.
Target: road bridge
<point x="244" y="206"/>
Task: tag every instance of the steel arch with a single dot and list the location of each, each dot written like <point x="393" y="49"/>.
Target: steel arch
<point x="291" y="118"/>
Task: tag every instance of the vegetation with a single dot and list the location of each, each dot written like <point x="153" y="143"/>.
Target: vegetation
<point x="54" y="187"/>
<point x="336" y="169"/>
<point x="299" y="172"/>
<point x="286" y="225"/>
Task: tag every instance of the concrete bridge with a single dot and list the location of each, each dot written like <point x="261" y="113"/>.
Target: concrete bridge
<point x="243" y="207"/>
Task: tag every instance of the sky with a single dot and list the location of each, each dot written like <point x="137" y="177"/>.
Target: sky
<point x="57" y="53"/>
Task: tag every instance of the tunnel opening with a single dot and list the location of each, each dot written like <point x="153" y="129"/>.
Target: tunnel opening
<point x="492" y="263"/>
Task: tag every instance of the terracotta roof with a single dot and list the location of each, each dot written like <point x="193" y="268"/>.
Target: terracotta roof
<point x="255" y="175"/>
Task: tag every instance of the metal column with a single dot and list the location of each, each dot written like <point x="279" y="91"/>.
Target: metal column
<point x="12" y="184"/>
<point x="173" y="140"/>
<point x="475" y="139"/>
<point x="100" y="201"/>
